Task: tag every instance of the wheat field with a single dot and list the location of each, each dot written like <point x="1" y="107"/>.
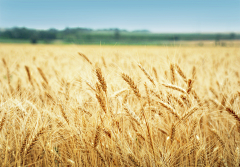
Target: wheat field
<point x="119" y="106"/>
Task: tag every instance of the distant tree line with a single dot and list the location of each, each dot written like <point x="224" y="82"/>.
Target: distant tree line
<point x="86" y="35"/>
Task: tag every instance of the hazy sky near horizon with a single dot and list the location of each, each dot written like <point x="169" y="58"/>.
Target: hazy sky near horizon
<point x="153" y="15"/>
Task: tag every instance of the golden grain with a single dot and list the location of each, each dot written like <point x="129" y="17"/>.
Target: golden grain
<point x="66" y="121"/>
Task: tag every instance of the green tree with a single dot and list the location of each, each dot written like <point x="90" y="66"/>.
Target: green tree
<point x="117" y="34"/>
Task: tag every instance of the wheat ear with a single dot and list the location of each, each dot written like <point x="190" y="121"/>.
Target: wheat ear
<point x="29" y="76"/>
<point x="133" y="115"/>
<point x="104" y="62"/>
<point x="19" y="88"/>
<point x="213" y="92"/>
<point x="169" y="108"/>
<point x="231" y="112"/>
<point x="194" y="73"/>
<point x="189" y="113"/>
<point x="237" y="156"/>
<point x="172" y="134"/>
<point x="42" y="75"/>
<point x="3" y="121"/>
<point x="89" y="84"/>
<point x="8" y="75"/>
<point x="218" y="137"/>
<point x="172" y="74"/>
<point x="234" y="97"/>
<point x="63" y="113"/>
<point x="131" y="84"/>
<point x="134" y="160"/>
<point x="101" y="79"/>
<point x="186" y="100"/>
<point x="146" y="73"/>
<point x="180" y="103"/>
<point x="34" y="140"/>
<point x="85" y="57"/>
<point x="193" y="129"/>
<point x="196" y="97"/>
<point x="189" y="85"/>
<point x="155" y="73"/>
<point x="180" y="72"/>
<point x="97" y="136"/>
<point x="174" y="87"/>
<point x="101" y="97"/>
<point x="147" y="93"/>
<point x="24" y="143"/>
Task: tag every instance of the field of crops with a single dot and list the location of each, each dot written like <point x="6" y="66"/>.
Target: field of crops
<point x="152" y="106"/>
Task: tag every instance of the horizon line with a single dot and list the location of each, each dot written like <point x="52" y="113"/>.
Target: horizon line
<point x="122" y="29"/>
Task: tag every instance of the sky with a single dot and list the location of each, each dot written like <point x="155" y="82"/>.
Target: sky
<point x="154" y="15"/>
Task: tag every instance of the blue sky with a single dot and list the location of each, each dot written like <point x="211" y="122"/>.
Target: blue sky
<point x="154" y="15"/>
